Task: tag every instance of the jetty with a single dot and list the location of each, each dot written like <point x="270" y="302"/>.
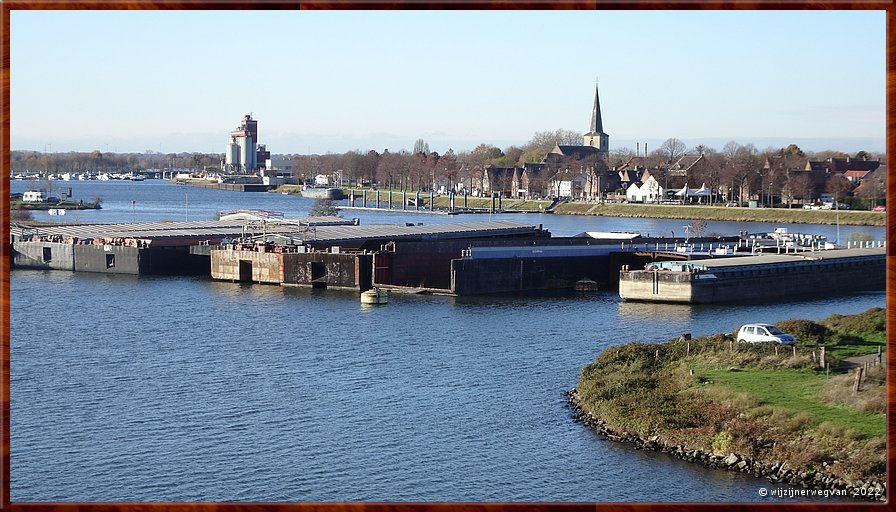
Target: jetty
<point x="759" y="276"/>
<point x="461" y="259"/>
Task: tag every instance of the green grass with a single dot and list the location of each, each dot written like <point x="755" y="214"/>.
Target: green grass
<point x="772" y="215"/>
<point x="797" y="390"/>
<point x="749" y="400"/>
<point x="68" y="205"/>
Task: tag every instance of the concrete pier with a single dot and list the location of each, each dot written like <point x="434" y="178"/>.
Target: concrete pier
<point x="757" y="277"/>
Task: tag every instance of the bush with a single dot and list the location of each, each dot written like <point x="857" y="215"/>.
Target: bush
<point x="20" y="216"/>
<point x="871" y="324"/>
<point x="323" y="208"/>
<point x="807" y="332"/>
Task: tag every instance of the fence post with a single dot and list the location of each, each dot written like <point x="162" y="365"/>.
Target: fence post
<point x="794" y="351"/>
<point x="776" y="349"/>
<point x="688" y="354"/>
<point x="822" y="356"/>
<point x="857" y="386"/>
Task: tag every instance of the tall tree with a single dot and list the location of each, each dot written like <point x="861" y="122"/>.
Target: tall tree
<point x="673" y="149"/>
<point x="838" y="186"/>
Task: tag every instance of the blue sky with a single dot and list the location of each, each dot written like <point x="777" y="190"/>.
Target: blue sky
<point x="334" y="81"/>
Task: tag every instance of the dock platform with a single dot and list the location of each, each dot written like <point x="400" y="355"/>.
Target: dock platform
<point x="765" y="276"/>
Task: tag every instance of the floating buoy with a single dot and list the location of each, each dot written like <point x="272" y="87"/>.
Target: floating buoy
<point x="374" y="296"/>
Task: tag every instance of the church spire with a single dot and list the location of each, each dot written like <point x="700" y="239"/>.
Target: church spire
<point x="596" y="138"/>
<point x="597" y="125"/>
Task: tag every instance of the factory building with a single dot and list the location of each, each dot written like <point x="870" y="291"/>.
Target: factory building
<point x="243" y="153"/>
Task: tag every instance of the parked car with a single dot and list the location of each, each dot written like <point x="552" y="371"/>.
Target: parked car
<point x="758" y="333"/>
<point x="879" y="209"/>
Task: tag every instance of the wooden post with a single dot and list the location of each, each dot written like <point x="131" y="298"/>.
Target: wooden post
<point x="813" y="357"/>
<point x="827" y="370"/>
<point x="794" y="351"/>
<point x="688" y="354"/>
<point x="776" y="349"/>
<point x="822" y="357"/>
<point x="857" y="386"/>
<point x="731" y="345"/>
<point x="657" y="355"/>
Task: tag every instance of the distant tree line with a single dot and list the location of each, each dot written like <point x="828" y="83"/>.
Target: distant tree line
<point x="743" y="170"/>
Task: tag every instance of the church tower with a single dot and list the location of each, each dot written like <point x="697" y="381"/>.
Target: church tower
<point x="596" y="136"/>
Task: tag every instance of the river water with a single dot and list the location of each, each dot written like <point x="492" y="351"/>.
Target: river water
<point x="129" y="388"/>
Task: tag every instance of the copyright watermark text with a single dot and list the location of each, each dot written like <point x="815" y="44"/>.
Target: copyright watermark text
<point x="805" y="493"/>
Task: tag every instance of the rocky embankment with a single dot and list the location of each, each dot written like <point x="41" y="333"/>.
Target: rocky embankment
<point x="775" y="472"/>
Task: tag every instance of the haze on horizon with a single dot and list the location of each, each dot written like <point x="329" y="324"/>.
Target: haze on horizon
<point x="334" y="81"/>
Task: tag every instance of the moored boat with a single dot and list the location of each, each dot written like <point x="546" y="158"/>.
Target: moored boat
<point x="323" y="193"/>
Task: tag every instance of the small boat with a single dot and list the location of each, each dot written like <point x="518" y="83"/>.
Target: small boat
<point x="374" y="296"/>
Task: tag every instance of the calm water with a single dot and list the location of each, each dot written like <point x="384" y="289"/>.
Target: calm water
<point x="172" y="389"/>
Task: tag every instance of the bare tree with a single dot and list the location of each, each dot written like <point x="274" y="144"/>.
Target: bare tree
<point x="673" y="149"/>
<point x="802" y="186"/>
<point x="838" y="186"/>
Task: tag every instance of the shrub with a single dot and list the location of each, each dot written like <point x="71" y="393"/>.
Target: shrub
<point x="870" y="324"/>
<point x="20" y="216"/>
<point x="807" y="332"/>
<point x="721" y="443"/>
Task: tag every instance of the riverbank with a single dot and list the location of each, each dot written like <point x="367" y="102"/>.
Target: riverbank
<point x="640" y="210"/>
<point x="762" y="409"/>
<point x="44" y="205"/>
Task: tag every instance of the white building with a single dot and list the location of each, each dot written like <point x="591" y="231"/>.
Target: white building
<point x="33" y="197"/>
<point x="648" y="191"/>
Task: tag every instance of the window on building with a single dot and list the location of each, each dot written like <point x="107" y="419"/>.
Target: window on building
<point x="110" y="260"/>
<point x="48" y="255"/>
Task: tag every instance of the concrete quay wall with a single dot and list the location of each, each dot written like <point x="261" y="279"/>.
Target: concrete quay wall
<point x="247" y="266"/>
<point x="315" y="269"/>
<point x="821" y="278"/>
<point x="508" y="275"/>
<point x="107" y="259"/>
<point x="328" y="270"/>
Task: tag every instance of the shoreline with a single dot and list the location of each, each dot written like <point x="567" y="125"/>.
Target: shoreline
<point x="775" y="472"/>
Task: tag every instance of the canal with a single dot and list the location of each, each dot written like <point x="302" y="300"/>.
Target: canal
<point x="129" y="388"/>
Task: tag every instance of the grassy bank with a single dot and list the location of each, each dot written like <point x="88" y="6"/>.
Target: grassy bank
<point x="771" y="215"/>
<point x="68" y="205"/>
<point x="654" y="211"/>
<point x="769" y="405"/>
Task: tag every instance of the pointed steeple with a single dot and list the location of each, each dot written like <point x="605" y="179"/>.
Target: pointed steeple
<point x="596" y="137"/>
<point x="597" y="124"/>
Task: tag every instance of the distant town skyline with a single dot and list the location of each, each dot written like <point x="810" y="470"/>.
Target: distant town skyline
<point x="334" y="81"/>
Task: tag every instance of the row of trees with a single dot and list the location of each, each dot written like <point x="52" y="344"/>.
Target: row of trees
<point x="741" y="169"/>
<point x="771" y="175"/>
<point x="98" y="162"/>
